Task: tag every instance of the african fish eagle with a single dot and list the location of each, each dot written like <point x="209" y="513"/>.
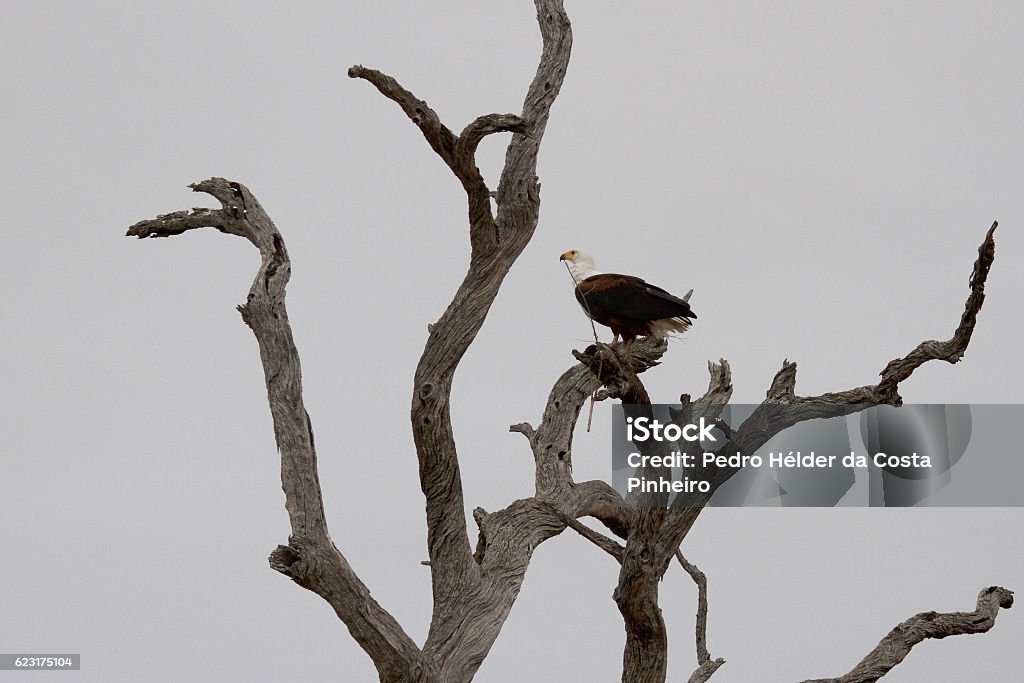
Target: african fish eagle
<point x="629" y="306"/>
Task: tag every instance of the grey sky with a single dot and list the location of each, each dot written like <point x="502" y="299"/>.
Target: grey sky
<point x="820" y="173"/>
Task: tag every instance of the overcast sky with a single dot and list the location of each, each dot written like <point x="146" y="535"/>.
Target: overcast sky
<point x="821" y="174"/>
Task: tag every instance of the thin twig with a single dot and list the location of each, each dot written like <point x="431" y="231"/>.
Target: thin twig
<point x="702" y="606"/>
<point x="705" y="666"/>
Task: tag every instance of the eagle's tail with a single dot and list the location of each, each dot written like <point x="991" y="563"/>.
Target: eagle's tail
<point x="666" y="326"/>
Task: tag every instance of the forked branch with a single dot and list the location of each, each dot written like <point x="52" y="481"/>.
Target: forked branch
<point x="766" y="421"/>
<point x="473" y="591"/>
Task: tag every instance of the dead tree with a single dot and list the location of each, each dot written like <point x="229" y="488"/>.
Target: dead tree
<point x="474" y="588"/>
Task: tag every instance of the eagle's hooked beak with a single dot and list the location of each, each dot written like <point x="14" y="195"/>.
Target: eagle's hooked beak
<point x="567" y="256"/>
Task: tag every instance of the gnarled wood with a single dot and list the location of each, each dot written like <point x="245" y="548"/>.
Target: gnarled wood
<point x="474" y="590"/>
<point x="894" y="647"/>
<point x="655" y="533"/>
<point x="310" y="559"/>
<point x="765" y="422"/>
<point x="471" y="599"/>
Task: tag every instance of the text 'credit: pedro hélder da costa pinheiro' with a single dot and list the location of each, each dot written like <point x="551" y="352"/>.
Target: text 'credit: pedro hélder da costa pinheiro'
<point x="643" y="429"/>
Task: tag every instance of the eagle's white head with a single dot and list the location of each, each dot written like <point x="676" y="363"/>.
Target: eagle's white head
<point x="581" y="264"/>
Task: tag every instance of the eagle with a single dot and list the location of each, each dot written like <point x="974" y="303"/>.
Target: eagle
<point x="628" y="305"/>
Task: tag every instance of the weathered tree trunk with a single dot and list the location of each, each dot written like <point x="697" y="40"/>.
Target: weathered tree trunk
<point x="645" y="658"/>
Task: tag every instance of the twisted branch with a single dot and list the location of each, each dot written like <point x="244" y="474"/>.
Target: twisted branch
<point x="895" y="646"/>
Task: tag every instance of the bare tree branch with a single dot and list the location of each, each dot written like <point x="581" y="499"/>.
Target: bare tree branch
<point x="553" y="457"/>
<point x="524" y="428"/>
<point x="169" y="224"/>
<point x="559" y="501"/>
<point x="636" y="595"/>
<point x="705" y="671"/>
<point x="719" y="386"/>
<point x="600" y="540"/>
<point x="706" y="667"/>
<point x="614" y="371"/>
<point x="894" y="647"/>
<point x="886" y="391"/>
<point x="482" y="584"/>
<point x="459" y="153"/>
<point x="465" y="146"/>
<point x="440" y="138"/>
<point x="310" y="559"/>
<point x="766" y="421"/>
<point x="954" y="348"/>
<point x="702" y="606"/>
